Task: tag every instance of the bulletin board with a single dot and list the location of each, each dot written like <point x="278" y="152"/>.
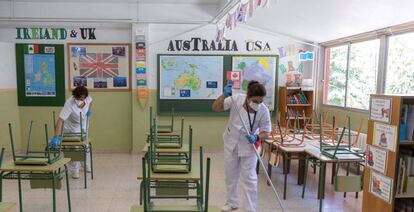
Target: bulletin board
<point x="100" y="67"/>
<point x="184" y="85"/>
<point x="40" y="74"/>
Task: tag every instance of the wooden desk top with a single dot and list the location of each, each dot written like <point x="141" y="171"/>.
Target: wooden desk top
<point x="193" y="175"/>
<point x="312" y="148"/>
<point x="315" y="152"/>
<point x="75" y="143"/>
<point x="10" y="166"/>
<point x="184" y="149"/>
<point x="6" y="206"/>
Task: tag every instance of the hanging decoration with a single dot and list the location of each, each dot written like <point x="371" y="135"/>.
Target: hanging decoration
<point x="239" y="13"/>
<point x="141" y="70"/>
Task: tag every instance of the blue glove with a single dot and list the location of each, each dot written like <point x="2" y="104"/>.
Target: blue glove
<point x="54" y="142"/>
<point x="251" y="138"/>
<point x="89" y="113"/>
<point x="227" y="90"/>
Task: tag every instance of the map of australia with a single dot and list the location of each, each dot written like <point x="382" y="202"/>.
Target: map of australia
<point x="191" y="77"/>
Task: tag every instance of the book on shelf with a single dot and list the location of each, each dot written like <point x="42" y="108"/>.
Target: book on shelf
<point x="297" y="98"/>
<point x="405" y="177"/>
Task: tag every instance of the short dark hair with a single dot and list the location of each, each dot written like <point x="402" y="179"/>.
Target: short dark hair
<point x="255" y="89"/>
<point x="80" y="91"/>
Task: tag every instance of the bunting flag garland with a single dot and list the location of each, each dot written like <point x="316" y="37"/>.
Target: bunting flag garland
<point x="239" y="13"/>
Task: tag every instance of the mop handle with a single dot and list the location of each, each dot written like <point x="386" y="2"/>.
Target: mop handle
<point x="258" y="157"/>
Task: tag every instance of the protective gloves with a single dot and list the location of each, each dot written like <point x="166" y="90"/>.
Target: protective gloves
<point x="251" y="138"/>
<point x="54" y="142"/>
<point x="227" y="90"/>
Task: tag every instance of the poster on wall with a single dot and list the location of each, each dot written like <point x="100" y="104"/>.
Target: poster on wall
<point x="380" y="109"/>
<point x="380" y="186"/>
<point x="99" y="67"/>
<point x="376" y="158"/>
<point x="385" y="136"/>
<point x="190" y="77"/>
<point x="259" y="68"/>
<point x="40" y="74"/>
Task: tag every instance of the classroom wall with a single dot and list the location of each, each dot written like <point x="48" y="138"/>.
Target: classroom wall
<point x="207" y="130"/>
<point x="118" y="122"/>
<point x="110" y="123"/>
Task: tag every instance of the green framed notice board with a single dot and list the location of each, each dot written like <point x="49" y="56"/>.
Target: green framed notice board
<point x="40" y="74"/>
<point x="190" y="83"/>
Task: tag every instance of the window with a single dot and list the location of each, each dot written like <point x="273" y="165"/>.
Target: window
<point x="351" y="74"/>
<point x="335" y="76"/>
<point x="362" y="73"/>
<point x="400" y="64"/>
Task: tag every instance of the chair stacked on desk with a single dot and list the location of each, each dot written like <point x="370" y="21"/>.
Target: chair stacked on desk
<point x="169" y="173"/>
<point x="44" y="168"/>
<point x="337" y="153"/>
<point x="76" y="145"/>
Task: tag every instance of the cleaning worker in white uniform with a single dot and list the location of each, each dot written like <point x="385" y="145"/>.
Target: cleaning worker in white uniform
<point x="239" y="154"/>
<point x="79" y="103"/>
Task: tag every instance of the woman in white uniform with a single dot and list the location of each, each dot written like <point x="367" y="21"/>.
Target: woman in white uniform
<point x="239" y="156"/>
<point x="79" y="103"/>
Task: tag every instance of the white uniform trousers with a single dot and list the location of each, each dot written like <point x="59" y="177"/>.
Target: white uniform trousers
<point x="241" y="168"/>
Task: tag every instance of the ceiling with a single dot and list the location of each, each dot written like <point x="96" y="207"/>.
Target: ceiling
<point x="324" y="20"/>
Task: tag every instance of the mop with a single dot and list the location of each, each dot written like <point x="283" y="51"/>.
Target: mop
<point x="259" y="158"/>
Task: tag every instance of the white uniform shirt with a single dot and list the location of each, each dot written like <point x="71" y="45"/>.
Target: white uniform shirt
<point x="235" y="135"/>
<point x="70" y="114"/>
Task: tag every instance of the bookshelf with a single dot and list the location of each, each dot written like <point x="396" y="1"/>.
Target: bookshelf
<point x="294" y="100"/>
<point x="401" y="194"/>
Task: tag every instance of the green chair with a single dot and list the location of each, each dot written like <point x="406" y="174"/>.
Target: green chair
<point x="80" y="136"/>
<point x="31" y="157"/>
<point x="199" y="198"/>
<point x="169" y="162"/>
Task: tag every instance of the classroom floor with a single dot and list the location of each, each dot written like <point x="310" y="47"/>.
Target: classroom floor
<point x="115" y="188"/>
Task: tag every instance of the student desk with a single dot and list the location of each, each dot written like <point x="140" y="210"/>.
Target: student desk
<point x="7" y="206"/>
<point x="76" y="151"/>
<point x="34" y="172"/>
<point x="315" y="153"/>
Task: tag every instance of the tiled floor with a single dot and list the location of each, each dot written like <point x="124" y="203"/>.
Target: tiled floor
<point x="115" y="188"/>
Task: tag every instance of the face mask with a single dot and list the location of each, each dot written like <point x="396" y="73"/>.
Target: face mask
<point x="79" y="103"/>
<point x="254" y="106"/>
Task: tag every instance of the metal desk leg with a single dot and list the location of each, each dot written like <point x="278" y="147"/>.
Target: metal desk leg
<point x="288" y="162"/>
<point x="304" y="177"/>
<point x="91" y="161"/>
<point x="1" y="186"/>
<point x="269" y="172"/>
<point x="84" y="166"/>
<point x="285" y="172"/>
<point x="301" y="164"/>
<point x="321" y="184"/>
<point x="257" y="166"/>
<point x="19" y="182"/>
<point x="333" y="173"/>
<point x="67" y="187"/>
<point x="54" y="191"/>
<point x="356" y="193"/>
<point x="347" y="173"/>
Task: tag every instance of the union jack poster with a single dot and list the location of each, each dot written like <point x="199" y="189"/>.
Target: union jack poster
<point x="99" y="66"/>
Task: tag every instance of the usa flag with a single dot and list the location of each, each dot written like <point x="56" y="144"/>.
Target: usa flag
<point x="98" y="65"/>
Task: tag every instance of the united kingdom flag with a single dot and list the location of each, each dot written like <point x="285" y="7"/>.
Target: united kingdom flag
<point x="98" y="65"/>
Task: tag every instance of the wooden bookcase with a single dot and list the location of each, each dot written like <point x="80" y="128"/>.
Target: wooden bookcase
<point x="371" y="202"/>
<point x="285" y="106"/>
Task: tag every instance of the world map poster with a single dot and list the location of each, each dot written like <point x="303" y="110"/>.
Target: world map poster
<point x="40" y="79"/>
<point x="191" y="77"/>
<point x="259" y="68"/>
